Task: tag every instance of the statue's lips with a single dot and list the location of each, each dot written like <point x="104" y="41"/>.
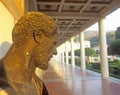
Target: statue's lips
<point x="50" y="58"/>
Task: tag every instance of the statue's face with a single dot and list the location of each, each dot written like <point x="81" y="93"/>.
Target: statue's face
<point x="45" y="51"/>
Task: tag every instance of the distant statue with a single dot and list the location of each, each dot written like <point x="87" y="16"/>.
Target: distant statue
<point x="34" y="42"/>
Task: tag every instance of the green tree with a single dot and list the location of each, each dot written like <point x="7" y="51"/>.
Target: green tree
<point x="77" y="52"/>
<point x="114" y="48"/>
<point x="94" y="41"/>
<point x="110" y="36"/>
<point x="117" y="33"/>
<point x="89" y="51"/>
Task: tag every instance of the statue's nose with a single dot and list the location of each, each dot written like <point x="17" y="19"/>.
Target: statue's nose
<point x="55" y="52"/>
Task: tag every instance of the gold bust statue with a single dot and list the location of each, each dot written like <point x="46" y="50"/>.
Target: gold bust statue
<point x="34" y="42"/>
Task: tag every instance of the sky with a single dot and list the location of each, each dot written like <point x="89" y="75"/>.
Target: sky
<point x="112" y="21"/>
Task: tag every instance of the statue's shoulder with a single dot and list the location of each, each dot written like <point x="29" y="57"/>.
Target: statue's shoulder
<point x="3" y="92"/>
<point x="40" y="85"/>
<point x="38" y="82"/>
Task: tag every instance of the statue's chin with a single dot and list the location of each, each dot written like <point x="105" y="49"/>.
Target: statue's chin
<point x="43" y="66"/>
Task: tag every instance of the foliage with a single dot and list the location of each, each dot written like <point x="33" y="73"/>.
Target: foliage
<point x="114" y="48"/>
<point x="117" y="33"/>
<point x="117" y="61"/>
<point x="89" y="51"/>
<point x="77" y="61"/>
<point x="77" y="52"/>
<point x="96" y="66"/>
<point x="110" y="36"/>
<point x="94" y="41"/>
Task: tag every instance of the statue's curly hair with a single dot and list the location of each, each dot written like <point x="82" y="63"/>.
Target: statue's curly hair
<point x="30" y="22"/>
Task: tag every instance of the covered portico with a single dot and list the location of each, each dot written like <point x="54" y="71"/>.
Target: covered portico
<point x="72" y="18"/>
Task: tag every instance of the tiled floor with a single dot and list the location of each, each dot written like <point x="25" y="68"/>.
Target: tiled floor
<point x="66" y="80"/>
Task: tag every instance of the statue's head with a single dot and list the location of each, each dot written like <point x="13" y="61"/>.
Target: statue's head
<point x="42" y="29"/>
<point x="33" y="22"/>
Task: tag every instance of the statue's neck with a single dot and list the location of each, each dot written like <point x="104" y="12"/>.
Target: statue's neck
<point x="19" y="66"/>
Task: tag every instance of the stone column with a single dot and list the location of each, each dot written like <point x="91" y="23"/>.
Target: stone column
<point x="66" y="51"/>
<point x="103" y="49"/>
<point x="59" y="54"/>
<point x="26" y="6"/>
<point x="72" y="52"/>
<point x="82" y="51"/>
<point x="63" y="61"/>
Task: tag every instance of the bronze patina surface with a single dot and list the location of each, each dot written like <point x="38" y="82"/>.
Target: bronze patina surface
<point x="34" y="42"/>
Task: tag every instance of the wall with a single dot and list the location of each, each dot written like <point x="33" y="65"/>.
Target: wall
<point x="6" y="25"/>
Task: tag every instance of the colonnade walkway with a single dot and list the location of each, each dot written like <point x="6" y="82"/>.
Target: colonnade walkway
<point x="61" y="79"/>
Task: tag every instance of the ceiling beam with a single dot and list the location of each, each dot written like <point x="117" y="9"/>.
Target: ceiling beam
<point x="112" y="7"/>
<point x="83" y="8"/>
<point x="69" y="30"/>
<point x="70" y="15"/>
<point x="73" y="4"/>
<point x="61" y="5"/>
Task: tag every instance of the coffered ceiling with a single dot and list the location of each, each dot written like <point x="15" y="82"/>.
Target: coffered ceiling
<point x="74" y="16"/>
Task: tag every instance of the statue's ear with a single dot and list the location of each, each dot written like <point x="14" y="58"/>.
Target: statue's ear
<point x="37" y="36"/>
